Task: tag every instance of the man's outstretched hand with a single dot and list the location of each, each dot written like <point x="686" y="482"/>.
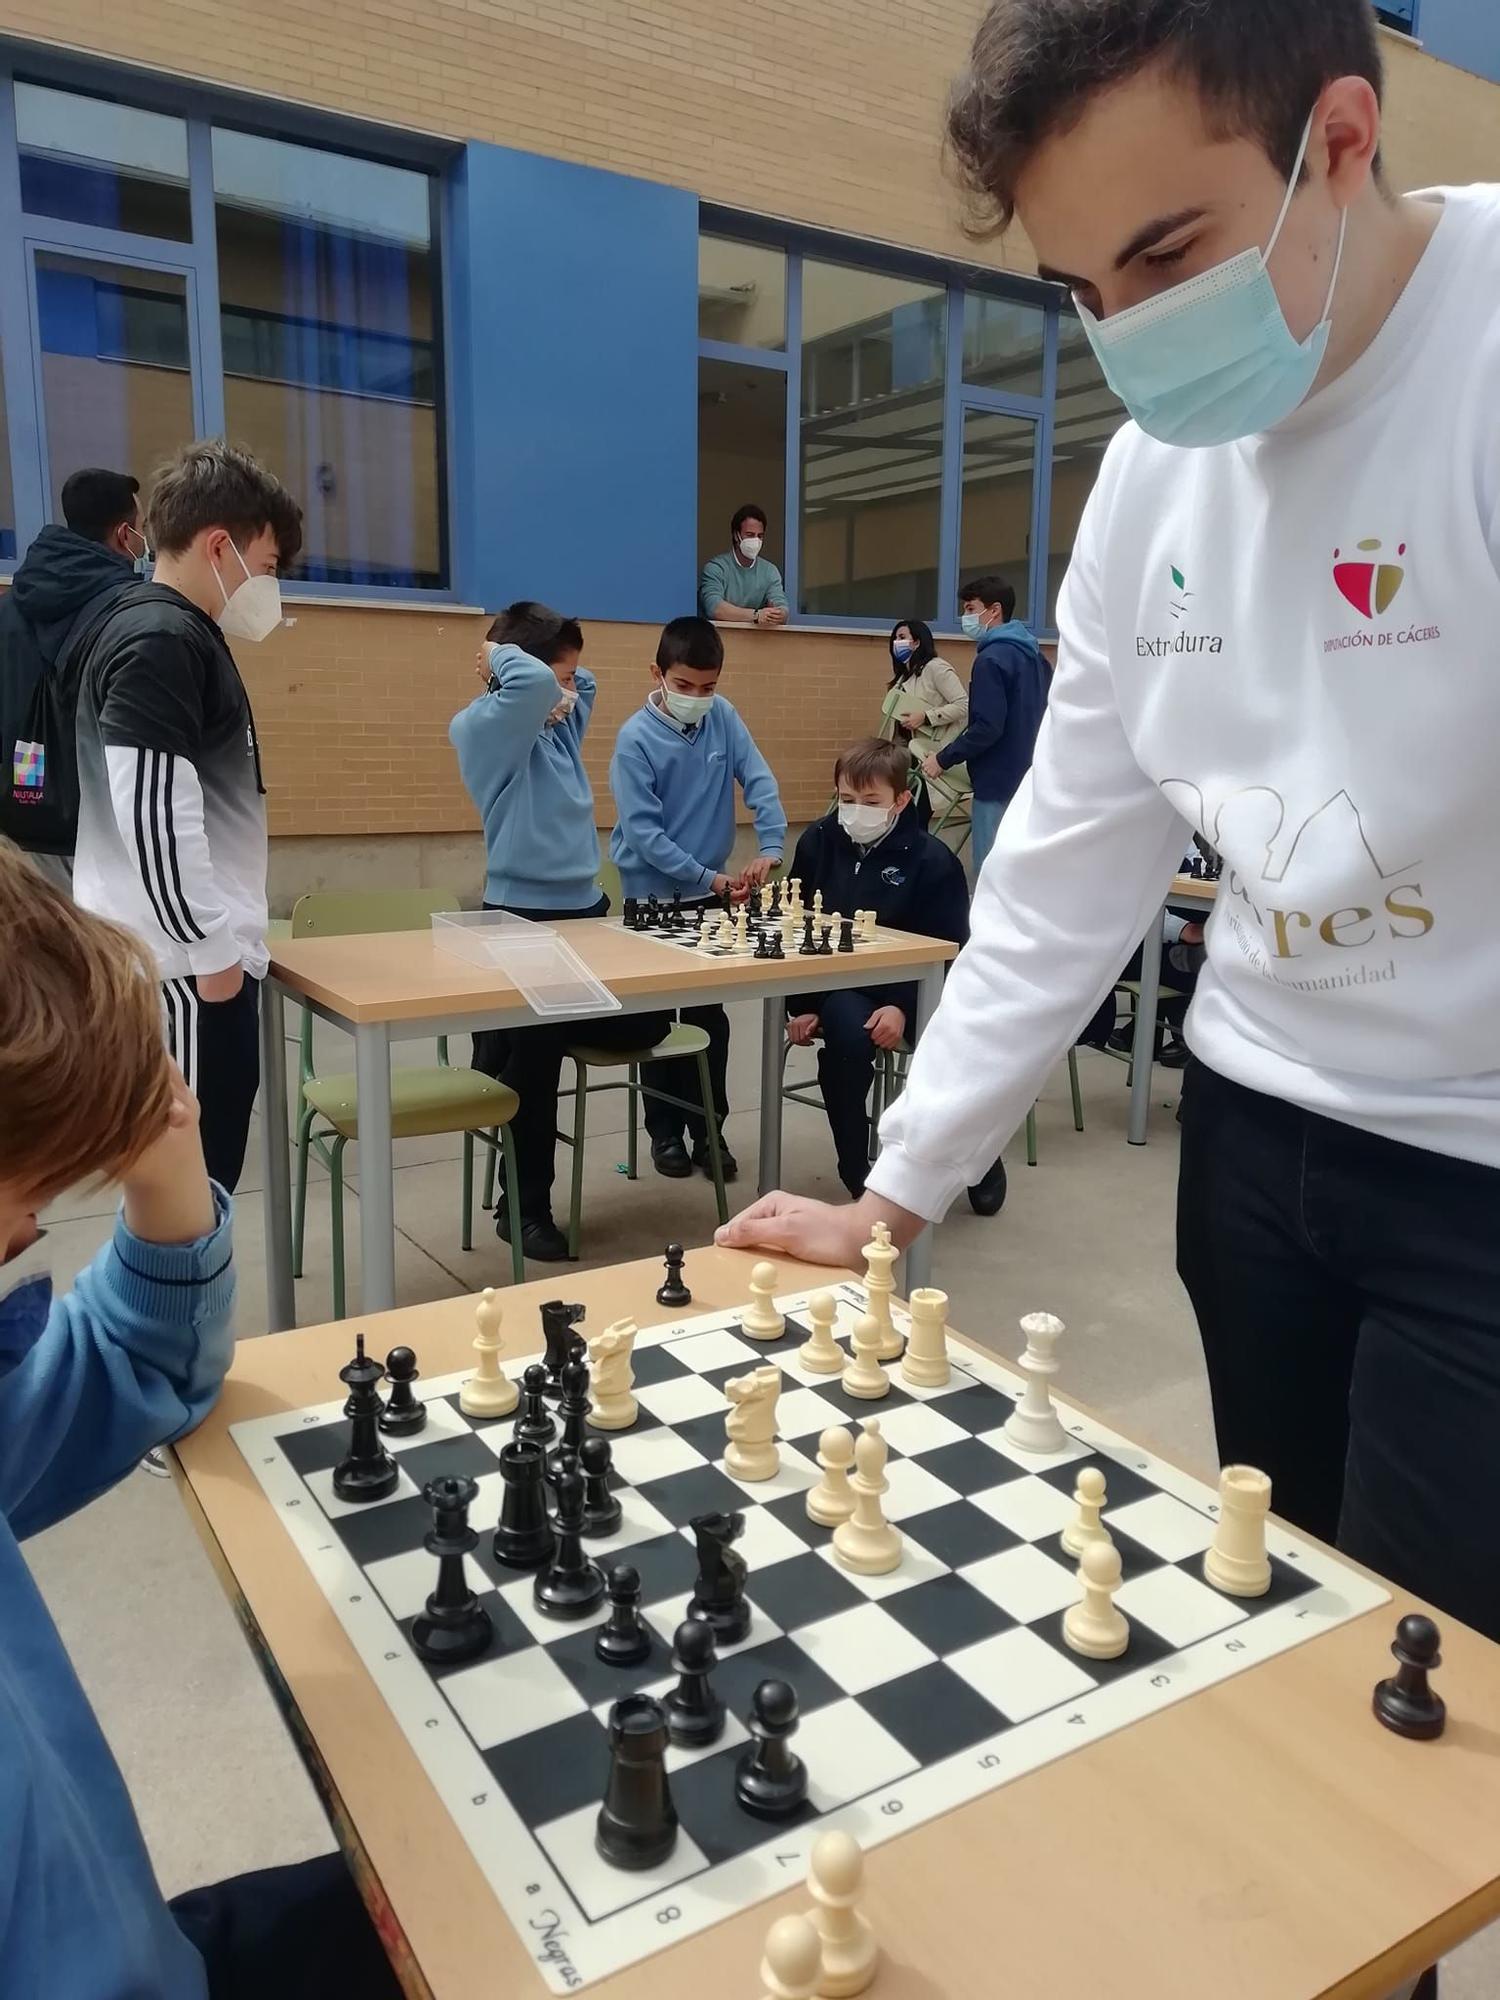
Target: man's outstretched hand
<point x="817" y="1232"/>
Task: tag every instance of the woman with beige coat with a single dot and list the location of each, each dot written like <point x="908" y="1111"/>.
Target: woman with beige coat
<point x="928" y="705"/>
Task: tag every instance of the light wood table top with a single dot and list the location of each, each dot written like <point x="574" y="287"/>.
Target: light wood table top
<point x="1193" y="889"/>
<point x="1265" y="1839"/>
<point x="404" y="976"/>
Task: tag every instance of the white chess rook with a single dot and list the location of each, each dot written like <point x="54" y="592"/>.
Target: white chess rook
<point x="925" y="1363"/>
<point x="821" y="1355"/>
<point x="1094" y="1626"/>
<point x="613" y="1378"/>
<point x="1034" y="1425"/>
<point x="1086" y="1527"/>
<point x="850" y="1954"/>
<point x="793" y="1958"/>
<point x="751" y="1424"/>
<point x="867" y="1543"/>
<point x="489" y="1391"/>
<point x="832" y="1499"/>
<point x="864" y="1377"/>
<point x="1237" y="1562"/>
<point x="880" y="1255"/>
<point x="760" y="1319"/>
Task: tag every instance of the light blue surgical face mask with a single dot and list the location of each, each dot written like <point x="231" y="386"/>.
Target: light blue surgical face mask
<point x="902" y="651"/>
<point x="686" y="708"/>
<point x="971" y="624"/>
<point x="1213" y="359"/>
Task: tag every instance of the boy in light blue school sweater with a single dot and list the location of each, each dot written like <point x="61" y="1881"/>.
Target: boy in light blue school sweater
<point x="132" y="1357"/>
<point x="520" y="754"/>
<point x="676" y="763"/>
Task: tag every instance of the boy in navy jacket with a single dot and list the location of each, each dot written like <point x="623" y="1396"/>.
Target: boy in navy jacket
<point x="869" y="853"/>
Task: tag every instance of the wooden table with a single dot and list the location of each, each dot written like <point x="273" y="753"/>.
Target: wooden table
<point x="1265" y="1839"/>
<point x="1190" y="894"/>
<point x="383" y="987"/>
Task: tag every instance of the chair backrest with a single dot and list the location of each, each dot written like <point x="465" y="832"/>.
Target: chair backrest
<point x="342" y="912"/>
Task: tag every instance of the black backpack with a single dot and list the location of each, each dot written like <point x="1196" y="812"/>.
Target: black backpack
<point x="38" y="732"/>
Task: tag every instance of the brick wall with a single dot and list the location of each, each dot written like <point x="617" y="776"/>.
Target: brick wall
<point x="353" y="709"/>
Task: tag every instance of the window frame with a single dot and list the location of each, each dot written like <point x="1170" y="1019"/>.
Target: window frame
<point x="21" y="235"/>
<point x="958" y="281"/>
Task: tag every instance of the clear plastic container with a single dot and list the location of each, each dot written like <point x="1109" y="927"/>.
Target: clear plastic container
<point x="550" y="976"/>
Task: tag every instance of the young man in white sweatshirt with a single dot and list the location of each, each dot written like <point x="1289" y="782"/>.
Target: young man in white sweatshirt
<point x="1280" y="626"/>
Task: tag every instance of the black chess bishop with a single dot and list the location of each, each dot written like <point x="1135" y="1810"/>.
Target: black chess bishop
<point x="534" y="1421"/>
<point x="570" y="1586"/>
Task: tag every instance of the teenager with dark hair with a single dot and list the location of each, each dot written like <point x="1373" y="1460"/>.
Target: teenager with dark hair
<point x="102" y="507"/>
<point x="926" y="705"/>
<point x="172" y="815"/>
<point x="741" y="587"/>
<point x="1276" y="625"/>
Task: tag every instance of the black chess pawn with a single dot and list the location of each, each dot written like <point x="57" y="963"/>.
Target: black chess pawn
<point x="559" y="1329"/>
<point x="762" y="945"/>
<point x="573" y="1409"/>
<point x="602" y="1511"/>
<point x="825" y="949"/>
<point x="770" y="1780"/>
<point x="622" y="1640"/>
<point x="778" y="949"/>
<point x="534" y="1424"/>
<point x="695" y="1714"/>
<point x="1405" y="1702"/>
<point x="809" y="945"/>
<point x="570" y="1586"/>
<point x="673" y="1291"/>
<point x="629" y="909"/>
<point x="366" y="1471"/>
<point x="846" y="933"/>
<point x="404" y="1413"/>
<point x="719" y="1593"/>
<point x="454" y="1626"/>
<point x="524" y="1538"/>
<point x="637" y="1824"/>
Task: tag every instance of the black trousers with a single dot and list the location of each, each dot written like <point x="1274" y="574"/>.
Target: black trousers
<point x="680" y="1075"/>
<point x="529" y="1061"/>
<point x="846" y="1068"/>
<point x="216" y="1045"/>
<point x="298" y="1933"/>
<point x="1347" y="1289"/>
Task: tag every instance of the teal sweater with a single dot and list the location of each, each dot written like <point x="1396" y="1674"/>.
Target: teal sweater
<point x="132" y="1356"/>
<point x="674" y="796"/>
<point x="528" y="781"/>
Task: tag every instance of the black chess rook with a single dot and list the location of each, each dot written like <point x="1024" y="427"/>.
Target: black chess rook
<point x="366" y="1471"/>
<point x="637" y="1824"/>
<point x="405" y="1413"/>
<point x="454" y="1626"/>
<point x="770" y="1780"/>
<point x="524" y="1537"/>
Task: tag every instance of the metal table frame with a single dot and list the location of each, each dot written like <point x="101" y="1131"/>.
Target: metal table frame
<point x="372" y="1066"/>
<point x="1143" y="1047"/>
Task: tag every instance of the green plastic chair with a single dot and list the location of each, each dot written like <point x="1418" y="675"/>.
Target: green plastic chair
<point x="423" y="1101"/>
<point x="1132" y="989"/>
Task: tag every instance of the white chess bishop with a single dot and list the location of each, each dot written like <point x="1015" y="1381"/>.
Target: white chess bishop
<point x="613" y="1378"/>
<point x="489" y="1391"/>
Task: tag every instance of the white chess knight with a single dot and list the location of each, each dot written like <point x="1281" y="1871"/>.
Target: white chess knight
<point x="613" y="1378"/>
<point x="880" y="1255"/>
<point x="864" y="1377"/>
<point x="760" y="1319"/>
<point x="489" y="1391"/>
<point x="925" y="1363"/>
<point x="867" y="1543"/>
<point x="1237" y="1562"/>
<point x="1034" y="1425"/>
<point x="835" y="1873"/>
<point x="751" y="1424"/>
<point x="832" y="1499"/>
<point x="821" y="1355"/>
<point x="1094" y="1626"/>
<point x="1086" y="1527"/>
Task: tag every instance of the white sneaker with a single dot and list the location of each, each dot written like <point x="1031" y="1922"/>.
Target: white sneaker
<point x="155" y="1462"/>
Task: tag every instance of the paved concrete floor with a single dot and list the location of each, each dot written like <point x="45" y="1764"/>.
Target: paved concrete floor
<point x="1086" y="1234"/>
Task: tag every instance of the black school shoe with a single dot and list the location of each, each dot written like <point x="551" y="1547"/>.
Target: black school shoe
<point x="669" y="1157"/>
<point x="703" y="1160"/>
<point x="987" y="1196"/>
<point x="541" y="1239"/>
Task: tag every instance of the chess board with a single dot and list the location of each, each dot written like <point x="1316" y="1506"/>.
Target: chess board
<point x="919" y="1690"/>
<point x="685" y="936"/>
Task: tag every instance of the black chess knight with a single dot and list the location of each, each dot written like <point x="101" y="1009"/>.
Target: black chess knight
<point x="719" y="1593"/>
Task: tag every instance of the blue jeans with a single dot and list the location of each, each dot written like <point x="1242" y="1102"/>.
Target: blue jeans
<point x="985" y="816"/>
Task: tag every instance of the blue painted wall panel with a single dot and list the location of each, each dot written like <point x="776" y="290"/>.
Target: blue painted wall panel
<point x="1465" y="32"/>
<point x="573" y="296"/>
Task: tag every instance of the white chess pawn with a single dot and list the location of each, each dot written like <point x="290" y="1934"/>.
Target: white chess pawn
<point x="1086" y="1527"/>
<point x="1034" y="1425"/>
<point x="867" y="1543"/>
<point x="489" y="1391"/>
<point x="864" y="1377"/>
<point x="1237" y="1562"/>
<point x="705" y="926"/>
<point x="925" y="1363"/>
<point x="880" y="1255"/>
<point x="793" y="1960"/>
<point x="613" y="1378"/>
<point x="832" y="1499"/>
<point x="751" y="1425"/>
<point x="835" y="1874"/>
<point x="821" y="1355"/>
<point x="1094" y="1626"/>
<point x="725" y="936"/>
<point x="760" y="1319"/>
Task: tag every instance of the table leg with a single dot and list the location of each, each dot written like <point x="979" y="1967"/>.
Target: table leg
<point x="917" y="1269"/>
<point x="377" y="1194"/>
<point x="276" y="1143"/>
<point x="772" y="1037"/>
<point x="1144" y="1048"/>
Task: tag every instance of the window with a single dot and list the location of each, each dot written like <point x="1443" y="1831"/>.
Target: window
<point x="871" y="442"/>
<point x="326" y="358"/>
<point x="741" y="452"/>
<point x="327" y="328"/>
<point x="1086" y="417"/>
<point x="741" y="293"/>
<point x="86" y="159"/>
<point x="999" y="471"/>
<point x="116" y="377"/>
<point x="1004" y="344"/>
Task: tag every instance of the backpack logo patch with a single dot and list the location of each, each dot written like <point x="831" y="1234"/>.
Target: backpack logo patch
<point x="28" y="771"/>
